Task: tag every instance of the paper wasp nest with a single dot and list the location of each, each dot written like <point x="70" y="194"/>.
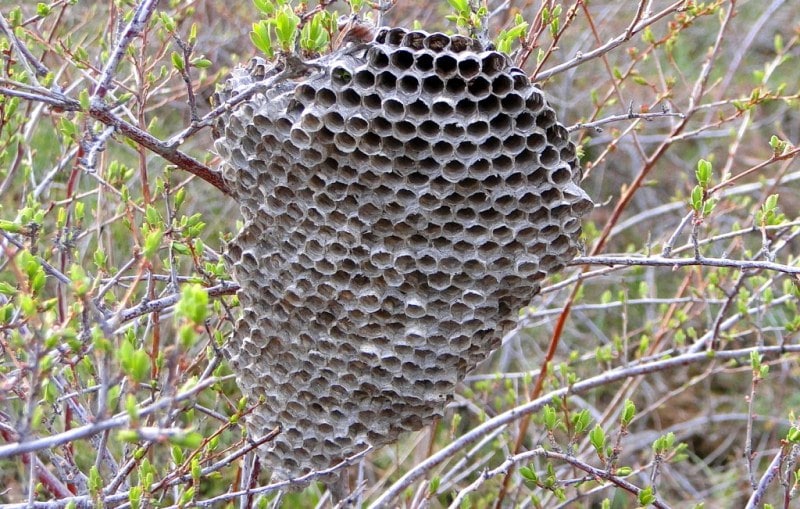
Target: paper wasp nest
<point x="401" y="204"/>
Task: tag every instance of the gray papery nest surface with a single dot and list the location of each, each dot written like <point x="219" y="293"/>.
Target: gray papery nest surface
<point x="401" y="201"/>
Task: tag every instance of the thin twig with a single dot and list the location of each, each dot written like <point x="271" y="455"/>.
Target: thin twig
<point x="39" y="69"/>
<point x="610" y="45"/>
<point x="135" y="27"/>
<point x="518" y="412"/>
<point x="659" y="261"/>
<point x="88" y="430"/>
<point x="625" y="116"/>
<point x="594" y="473"/>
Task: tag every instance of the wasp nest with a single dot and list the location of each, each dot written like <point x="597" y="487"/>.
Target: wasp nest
<point x="401" y="202"/>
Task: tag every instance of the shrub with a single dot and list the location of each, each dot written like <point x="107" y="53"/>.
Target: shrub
<point x="659" y="368"/>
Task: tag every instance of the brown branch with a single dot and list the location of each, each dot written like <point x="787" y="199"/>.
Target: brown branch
<point x="100" y="112"/>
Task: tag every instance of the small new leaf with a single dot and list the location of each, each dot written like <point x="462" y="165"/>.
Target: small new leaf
<point x="286" y="22"/>
<point x="598" y="439"/>
<point x="646" y="496"/>
<point x="177" y="61"/>
<point x="628" y="412"/>
<point x="703" y="173"/>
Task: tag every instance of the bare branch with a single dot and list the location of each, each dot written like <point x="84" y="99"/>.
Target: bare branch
<point x="118" y="421"/>
<point x="618" y="118"/>
<point x="658" y="261"/>
<point x="99" y="111"/>
<point x="137" y="24"/>
<point x="514" y="414"/>
<point x="610" y="45"/>
<point x="39" y="69"/>
<point x="773" y="471"/>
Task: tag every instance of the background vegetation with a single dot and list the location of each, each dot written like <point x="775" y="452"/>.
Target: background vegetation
<point x="660" y="369"/>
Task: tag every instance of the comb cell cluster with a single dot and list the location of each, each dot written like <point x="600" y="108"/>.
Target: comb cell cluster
<point x="401" y="204"/>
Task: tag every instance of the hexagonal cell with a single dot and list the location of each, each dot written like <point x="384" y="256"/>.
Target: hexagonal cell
<point x="404" y="130"/>
<point x="493" y="63"/>
<point x="479" y="87"/>
<point x="393" y="109"/>
<point x="356" y="125"/>
<point x="535" y="102"/>
<point x="402" y="59"/>
<point x="442" y="109"/>
<point x="460" y="43"/>
<point x="325" y="98"/>
<point x="395" y="36"/>
<point x="489" y="106"/>
<point x="445" y="65"/>
<point x="408" y="84"/>
<point x="501" y="125"/>
<point x="378" y="59"/>
<point x="454" y="131"/>
<point x="436" y="42"/>
<point x="418" y="147"/>
<point x="491" y="147"/>
<point x="341" y="76"/>
<point x="349" y="98"/>
<point x="469" y="66"/>
<point x="423" y="61"/>
<point x="432" y="85"/>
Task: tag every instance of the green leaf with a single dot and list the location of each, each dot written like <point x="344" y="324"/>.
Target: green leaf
<point x="265" y="6"/>
<point x="83" y="98"/>
<point x="129" y="436"/>
<point x="460" y="6"/>
<point x="703" y="173"/>
<point x="10" y="226"/>
<point x="132" y="408"/>
<point x="68" y="128"/>
<point x="697" y="198"/>
<point x="664" y="443"/>
<point x="189" y="440"/>
<point x="708" y="206"/>
<point x="135" y="497"/>
<point x="261" y="38"/>
<point x="177" y="61"/>
<point x="628" y="412"/>
<point x="152" y="242"/>
<point x="286" y="22"/>
<point x="95" y="481"/>
<point x="196" y="470"/>
<point x="581" y="421"/>
<point x="152" y="216"/>
<point x="187" y="497"/>
<point x="597" y="437"/>
<point x="529" y="474"/>
<point x="100" y="258"/>
<point x="140" y="366"/>
<point x="193" y="304"/>
<point x="201" y="63"/>
<point x="7" y="289"/>
<point x="42" y="9"/>
<point x="646" y="496"/>
<point x="550" y="417"/>
<point x="755" y="360"/>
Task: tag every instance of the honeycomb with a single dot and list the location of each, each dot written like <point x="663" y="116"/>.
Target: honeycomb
<point x="402" y="201"/>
